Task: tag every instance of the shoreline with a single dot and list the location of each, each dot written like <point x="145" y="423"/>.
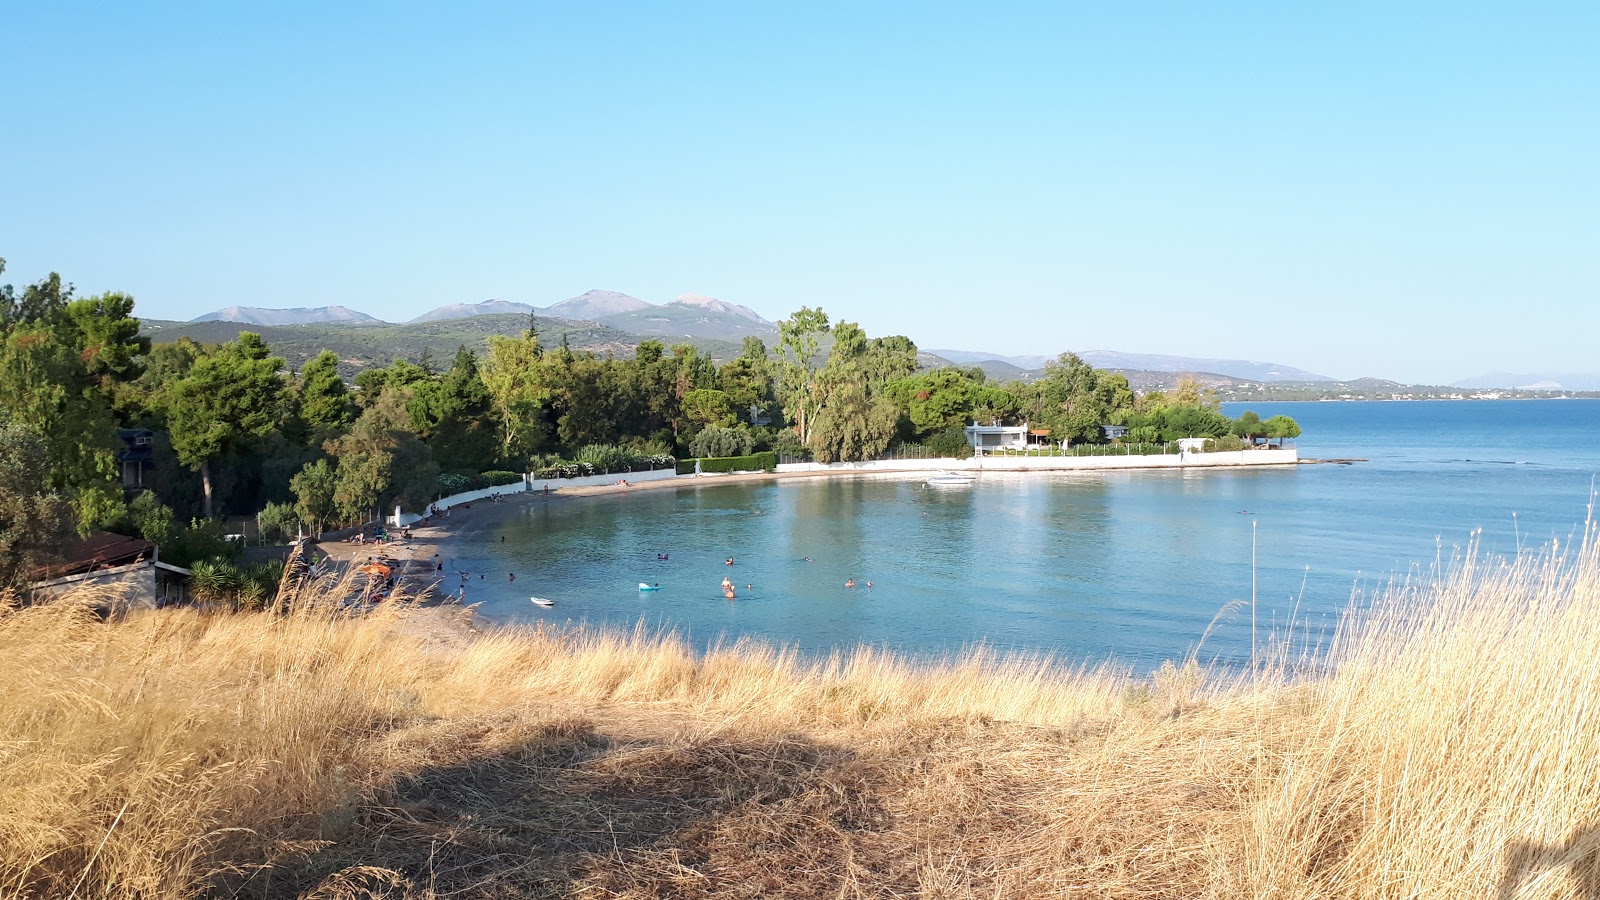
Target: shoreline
<point x="434" y="541"/>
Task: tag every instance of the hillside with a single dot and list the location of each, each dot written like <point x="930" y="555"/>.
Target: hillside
<point x="299" y="315"/>
<point x="593" y="305"/>
<point x="1241" y="369"/>
<point x="695" y="316"/>
<point x="468" y="310"/>
<point x="361" y="346"/>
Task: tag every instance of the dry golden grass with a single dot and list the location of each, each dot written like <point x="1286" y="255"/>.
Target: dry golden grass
<point x="1448" y="747"/>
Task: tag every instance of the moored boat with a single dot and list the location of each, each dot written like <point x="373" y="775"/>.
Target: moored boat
<point x="951" y="479"/>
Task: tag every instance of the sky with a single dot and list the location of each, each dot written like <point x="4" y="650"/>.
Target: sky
<point x="1401" y="190"/>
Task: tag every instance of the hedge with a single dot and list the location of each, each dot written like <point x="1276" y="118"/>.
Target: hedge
<point x="496" y="477"/>
<point x="763" y="462"/>
<point x="581" y="469"/>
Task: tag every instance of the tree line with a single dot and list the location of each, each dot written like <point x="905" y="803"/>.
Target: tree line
<point x="236" y="433"/>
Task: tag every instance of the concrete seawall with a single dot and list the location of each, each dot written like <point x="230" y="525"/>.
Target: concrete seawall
<point x="1226" y="459"/>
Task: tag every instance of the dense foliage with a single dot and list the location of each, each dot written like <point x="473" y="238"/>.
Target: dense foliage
<point x="232" y="430"/>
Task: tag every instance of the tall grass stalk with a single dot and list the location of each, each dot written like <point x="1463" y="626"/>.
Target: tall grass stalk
<point x="1442" y="745"/>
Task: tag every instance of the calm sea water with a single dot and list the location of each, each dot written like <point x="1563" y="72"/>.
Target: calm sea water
<point x="1128" y="566"/>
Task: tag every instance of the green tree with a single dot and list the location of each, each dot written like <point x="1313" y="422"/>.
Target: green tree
<point x="149" y="518"/>
<point x="231" y="396"/>
<point x="324" y="401"/>
<point x="855" y="418"/>
<point x="1248" y="426"/>
<point x="1074" y="400"/>
<point x="1281" y="428"/>
<point x="511" y="375"/>
<point x="715" y="440"/>
<point x="381" y="461"/>
<point x="463" y="435"/>
<point x="314" y="488"/>
<point x="33" y="518"/>
<point x="799" y="338"/>
<point x="704" y="406"/>
<point x="45" y="386"/>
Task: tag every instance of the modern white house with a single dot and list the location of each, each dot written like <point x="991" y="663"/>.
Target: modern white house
<point x="995" y="436"/>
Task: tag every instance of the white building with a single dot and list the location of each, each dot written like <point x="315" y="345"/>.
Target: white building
<point x="997" y="437"/>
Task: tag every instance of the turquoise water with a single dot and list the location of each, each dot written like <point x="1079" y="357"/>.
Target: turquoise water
<point x="1128" y="566"/>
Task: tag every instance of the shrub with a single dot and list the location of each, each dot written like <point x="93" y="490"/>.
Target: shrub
<point x="787" y="443"/>
<point x="716" y="441"/>
<point x="764" y="462"/>
<point x="627" y="461"/>
<point x="279" y="520"/>
<point x="204" y="539"/>
<point x="951" y="441"/>
<point x="1222" y="444"/>
<point x="496" y="477"/>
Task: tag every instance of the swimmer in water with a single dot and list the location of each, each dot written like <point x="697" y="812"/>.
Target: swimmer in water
<point x="850" y="583"/>
<point x="729" y="562"/>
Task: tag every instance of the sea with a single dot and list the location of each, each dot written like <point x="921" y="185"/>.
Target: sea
<point x="1127" y="568"/>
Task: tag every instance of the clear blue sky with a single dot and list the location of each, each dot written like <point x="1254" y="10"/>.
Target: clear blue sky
<point x="1405" y="190"/>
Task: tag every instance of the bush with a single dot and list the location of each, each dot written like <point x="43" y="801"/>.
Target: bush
<point x="716" y="441"/>
<point x="204" y="539"/>
<point x="764" y="462"/>
<point x="497" y="477"/>
<point x="627" y="462"/>
<point x="1223" y="444"/>
<point x="950" y="442"/>
<point x="279" y="520"/>
<point x="787" y="443"/>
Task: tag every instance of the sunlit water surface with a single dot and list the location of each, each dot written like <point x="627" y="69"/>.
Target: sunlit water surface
<point x="1130" y="566"/>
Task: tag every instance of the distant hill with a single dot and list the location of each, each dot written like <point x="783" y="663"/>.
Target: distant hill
<point x="594" y="305"/>
<point x="1543" y="381"/>
<point x="1234" y="368"/>
<point x="694" y="316"/>
<point x="301" y="315"/>
<point x="1145" y="362"/>
<point x="364" y="345"/>
<point x="977" y="357"/>
<point x="468" y="310"/>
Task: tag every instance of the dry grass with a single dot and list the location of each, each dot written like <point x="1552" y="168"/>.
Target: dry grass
<point x="1449" y="748"/>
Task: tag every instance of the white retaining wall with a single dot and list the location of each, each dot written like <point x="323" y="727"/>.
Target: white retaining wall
<point x="1007" y="463"/>
<point x="528" y="484"/>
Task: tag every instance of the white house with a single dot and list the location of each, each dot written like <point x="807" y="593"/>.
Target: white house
<point x="997" y="437"/>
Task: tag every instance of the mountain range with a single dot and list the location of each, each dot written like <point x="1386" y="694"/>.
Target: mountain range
<point x="300" y="315"/>
<point x="1538" y="381"/>
<point x="614" y="322"/>
<point x="686" y="316"/>
<point x="1242" y="369"/>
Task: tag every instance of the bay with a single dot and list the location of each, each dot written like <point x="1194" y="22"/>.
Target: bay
<point x="1132" y="567"/>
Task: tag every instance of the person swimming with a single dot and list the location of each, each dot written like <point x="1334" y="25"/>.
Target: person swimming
<point x="850" y="583"/>
<point x="729" y="562"/>
<point x="661" y="556"/>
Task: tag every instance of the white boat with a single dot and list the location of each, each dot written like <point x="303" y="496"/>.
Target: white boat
<point x="540" y="601"/>
<point x="649" y="587"/>
<point x="951" y="479"/>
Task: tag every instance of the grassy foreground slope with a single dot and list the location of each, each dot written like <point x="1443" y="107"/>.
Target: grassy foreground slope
<point x="1451" y="750"/>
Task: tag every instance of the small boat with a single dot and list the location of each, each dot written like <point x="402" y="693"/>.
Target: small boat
<point x="951" y="479"/>
<point x="649" y="587"/>
<point x="540" y="601"/>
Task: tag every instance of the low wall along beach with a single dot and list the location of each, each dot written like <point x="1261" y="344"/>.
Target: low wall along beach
<point x="1230" y="458"/>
